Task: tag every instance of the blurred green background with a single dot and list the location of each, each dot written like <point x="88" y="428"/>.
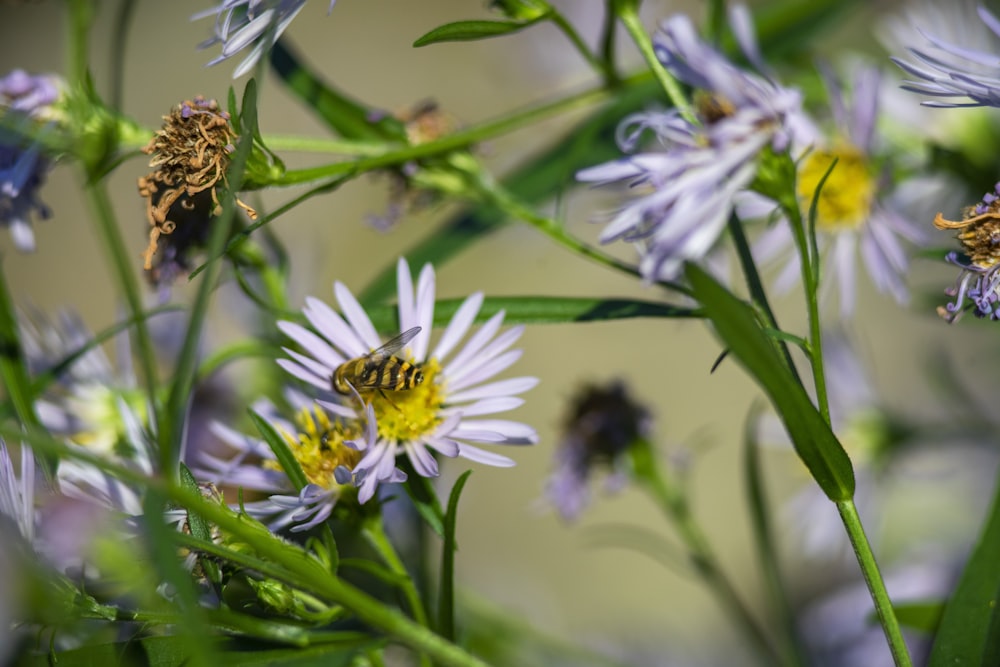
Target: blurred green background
<point x="514" y="552"/>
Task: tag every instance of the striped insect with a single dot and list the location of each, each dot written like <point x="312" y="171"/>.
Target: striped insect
<point x="379" y="370"/>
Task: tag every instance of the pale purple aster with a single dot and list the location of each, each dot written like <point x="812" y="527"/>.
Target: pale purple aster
<point x="242" y="23"/>
<point x="249" y="463"/>
<point x="442" y="414"/>
<point x="869" y="218"/>
<point x="23" y="99"/>
<point x="687" y="190"/>
<point x="603" y="422"/>
<point x="950" y="69"/>
<point x="17" y="492"/>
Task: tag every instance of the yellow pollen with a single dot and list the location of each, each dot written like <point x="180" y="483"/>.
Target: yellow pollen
<point x="98" y="409"/>
<point x="407" y="415"/>
<point x="846" y="199"/>
<point x="319" y="446"/>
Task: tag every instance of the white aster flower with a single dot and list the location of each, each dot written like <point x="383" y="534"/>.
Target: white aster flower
<point x="242" y="23"/>
<point x="686" y="192"/>
<point x="860" y="212"/>
<point x="443" y="412"/>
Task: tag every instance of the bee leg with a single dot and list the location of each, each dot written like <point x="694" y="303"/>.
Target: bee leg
<point x="389" y="400"/>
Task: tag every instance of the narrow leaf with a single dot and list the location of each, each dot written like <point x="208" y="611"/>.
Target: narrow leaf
<point x="446" y="600"/>
<point x="967" y="635"/>
<point x="739" y="330"/>
<point x="425" y="500"/>
<point x="281" y="451"/>
<point x="468" y="31"/>
<point x="199" y="527"/>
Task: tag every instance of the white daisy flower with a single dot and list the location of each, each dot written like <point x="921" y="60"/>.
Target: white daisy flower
<point x="443" y="412"/>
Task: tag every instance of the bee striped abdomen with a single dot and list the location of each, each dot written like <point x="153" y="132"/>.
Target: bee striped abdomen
<point x="379" y="370"/>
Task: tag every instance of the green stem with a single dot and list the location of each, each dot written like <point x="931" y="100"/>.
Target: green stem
<point x="121" y="262"/>
<point x="608" y="40"/>
<point x="81" y="16"/>
<point x="509" y="204"/>
<point x="876" y="586"/>
<point x="674" y="506"/>
<point x="601" y="67"/>
<point x="374" y="533"/>
<point x="810" y="285"/>
<point x="630" y="19"/>
<point x="123" y="18"/>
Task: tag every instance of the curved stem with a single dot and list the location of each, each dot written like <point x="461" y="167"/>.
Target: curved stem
<point x="674" y="506"/>
<point x="374" y="533"/>
<point x="810" y="285"/>
<point x="876" y="586"/>
<point x="602" y="67"/>
<point x="630" y="19"/>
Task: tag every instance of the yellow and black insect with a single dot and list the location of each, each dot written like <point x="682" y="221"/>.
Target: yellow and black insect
<point x="379" y="369"/>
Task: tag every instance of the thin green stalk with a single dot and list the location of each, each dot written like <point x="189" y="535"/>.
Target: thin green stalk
<point x="810" y="285"/>
<point x="81" y="16"/>
<point x="674" y="506"/>
<point x="602" y="67"/>
<point x="121" y="262"/>
<point x="608" y="39"/>
<point x="374" y="533"/>
<point x="630" y="19"/>
<point x="508" y="203"/>
<point x="876" y="586"/>
<point x="456" y="141"/>
<point x="119" y="38"/>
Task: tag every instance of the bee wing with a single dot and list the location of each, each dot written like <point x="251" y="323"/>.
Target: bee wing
<point x="394" y="345"/>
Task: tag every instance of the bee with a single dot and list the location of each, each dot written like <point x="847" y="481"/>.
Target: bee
<point x="379" y="369"/>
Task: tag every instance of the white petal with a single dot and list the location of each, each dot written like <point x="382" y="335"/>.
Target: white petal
<point x="458" y="326"/>
<point x="510" y="387"/>
<point x="474" y="344"/>
<point x="404" y="291"/>
<point x="318" y="348"/>
<point x="357" y="316"/>
<point x="483" y="372"/>
<point x="299" y="371"/>
<point x="487" y="406"/>
<point x="422" y="460"/>
<point x="515" y="433"/>
<point x="332" y="327"/>
<point x="338" y="409"/>
<point x="425" y="312"/>
<point x="485" y="457"/>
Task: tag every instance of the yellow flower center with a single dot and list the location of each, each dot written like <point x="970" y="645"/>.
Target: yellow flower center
<point x="847" y="195"/>
<point x="319" y="446"/>
<point x="407" y="415"/>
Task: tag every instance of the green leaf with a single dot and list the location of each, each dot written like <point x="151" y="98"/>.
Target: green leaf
<point x="446" y="599"/>
<point x="468" y="31"/>
<point x="739" y="330"/>
<point x="924" y="616"/>
<point x="540" y="310"/>
<point x="281" y="451"/>
<point x="425" y="500"/>
<point x="968" y="634"/>
<point x="199" y="527"/>
<point x="345" y="116"/>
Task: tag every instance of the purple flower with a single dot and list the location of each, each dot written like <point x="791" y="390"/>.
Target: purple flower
<point x="858" y="211"/>
<point x="954" y="70"/>
<point x="686" y="192"/>
<point x="602" y="424"/>
<point x="441" y="413"/>
<point x="240" y="23"/>
<point x="23" y="98"/>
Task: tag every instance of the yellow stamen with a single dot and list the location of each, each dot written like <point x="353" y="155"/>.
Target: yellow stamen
<point x="846" y="199"/>
<point x="319" y="446"/>
<point x="404" y="416"/>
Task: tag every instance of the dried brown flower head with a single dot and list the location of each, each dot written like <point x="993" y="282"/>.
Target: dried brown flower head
<point x="190" y="155"/>
<point x="979" y="232"/>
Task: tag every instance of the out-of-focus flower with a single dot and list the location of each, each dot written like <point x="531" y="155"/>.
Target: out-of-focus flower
<point x="978" y="286"/>
<point x="603" y="422"/>
<point x="327" y="449"/>
<point x="242" y="23"/>
<point x="24" y="99"/>
<point x="440" y="412"/>
<point x="687" y="190"/>
<point x="93" y="404"/>
<point x="858" y="212"/>
<point x="190" y="155"/>
<point x="954" y="70"/>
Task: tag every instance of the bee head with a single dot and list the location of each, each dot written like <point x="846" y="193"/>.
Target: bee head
<point x="418" y="378"/>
